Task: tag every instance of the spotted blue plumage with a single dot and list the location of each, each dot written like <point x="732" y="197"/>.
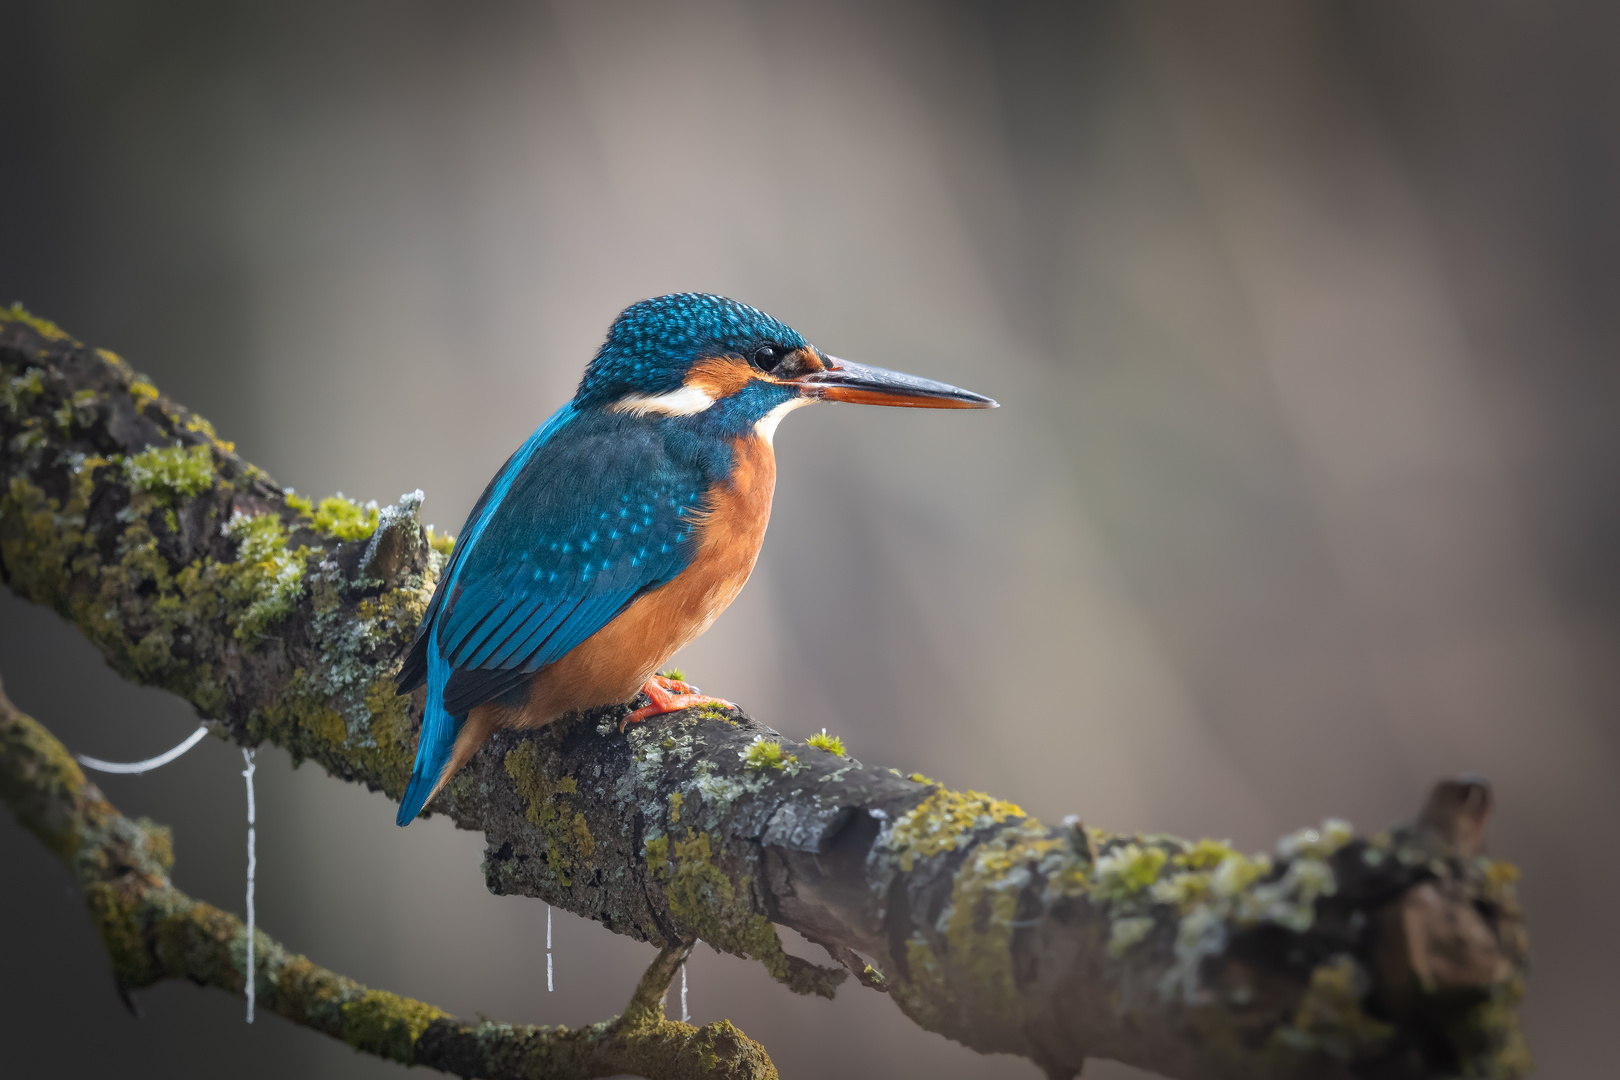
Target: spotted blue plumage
<point x="597" y="507"/>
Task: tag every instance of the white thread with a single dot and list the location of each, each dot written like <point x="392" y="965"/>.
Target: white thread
<point x="253" y="862"/>
<point x="549" y="985"/>
<point x="138" y="767"/>
<point x="685" y="1013"/>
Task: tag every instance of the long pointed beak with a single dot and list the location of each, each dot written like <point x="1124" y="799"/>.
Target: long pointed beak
<point x="862" y="385"/>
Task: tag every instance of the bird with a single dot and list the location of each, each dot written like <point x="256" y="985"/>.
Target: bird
<point x="623" y="527"/>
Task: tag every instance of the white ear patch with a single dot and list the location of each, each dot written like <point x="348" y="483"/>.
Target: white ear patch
<point x="687" y="401"/>
<point x="765" y="426"/>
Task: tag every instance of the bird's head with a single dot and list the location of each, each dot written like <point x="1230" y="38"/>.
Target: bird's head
<point x="687" y="353"/>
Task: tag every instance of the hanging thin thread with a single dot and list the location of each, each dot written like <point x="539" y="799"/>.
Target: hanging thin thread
<point x="138" y="767"/>
<point x="550" y="987"/>
<point x="253" y="862"/>
<point x="685" y="1013"/>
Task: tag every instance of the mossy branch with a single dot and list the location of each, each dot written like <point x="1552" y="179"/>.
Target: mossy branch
<point x="153" y="931"/>
<point x="1400" y="955"/>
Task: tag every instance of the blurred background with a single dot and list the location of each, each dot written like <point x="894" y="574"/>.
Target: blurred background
<point x="1303" y="317"/>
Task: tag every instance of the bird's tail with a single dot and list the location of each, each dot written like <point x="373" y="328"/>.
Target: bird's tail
<point x="439" y="731"/>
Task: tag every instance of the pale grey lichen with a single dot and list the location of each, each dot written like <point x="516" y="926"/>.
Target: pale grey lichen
<point x="1127" y="933"/>
<point x="1316" y="843"/>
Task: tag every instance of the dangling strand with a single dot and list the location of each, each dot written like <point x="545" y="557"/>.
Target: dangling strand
<point x="247" y="757"/>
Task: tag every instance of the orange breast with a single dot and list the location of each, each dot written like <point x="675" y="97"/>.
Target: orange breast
<point x="611" y="664"/>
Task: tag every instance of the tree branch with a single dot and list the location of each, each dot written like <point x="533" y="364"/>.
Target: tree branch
<point x="153" y="931"/>
<point x="1399" y="955"/>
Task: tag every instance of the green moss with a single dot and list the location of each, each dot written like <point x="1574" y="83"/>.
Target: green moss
<point x="264" y="583"/>
<point x="944" y="821"/>
<point x="443" y="543"/>
<point x="336" y="516"/>
<point x="1236" y="872"/>
<point x="830" y="743"/>
<point x="34" y="753"/>
<point x="1182" y="891"/>
<point x="984" y="904"/>
<point x="158" y="842"/>
<point x="1290" y="901"/>
<point x="569" y="842"/>
<point x="43" y="327"/>
<point x="702" y="896"/>
<point x="924" y="990"/>
<point x="1330" y="1016"/>
<point x="1490" y="1038"/>
<point x="117" y="919"/>
<point x="1126" y="871"/>
<point x="17" y="392"/>
<point x="391" y="732"/>
<point x="674" y="673"/>
<point x="763" y="754"/>
<point x="387" y="1025"/>
<point x="171" y="472"/>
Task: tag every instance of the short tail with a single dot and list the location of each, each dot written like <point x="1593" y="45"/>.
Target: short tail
<point x="439" y="731"/>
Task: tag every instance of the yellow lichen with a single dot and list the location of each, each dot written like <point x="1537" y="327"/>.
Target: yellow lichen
<point x="945" y="820"/>
<point x="1204" y="855"/>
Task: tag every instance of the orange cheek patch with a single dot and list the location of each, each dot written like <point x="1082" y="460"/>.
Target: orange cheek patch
<point x="720" y="376"/>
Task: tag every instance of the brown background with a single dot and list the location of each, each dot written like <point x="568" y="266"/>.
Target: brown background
<point x="1304" y="492"/>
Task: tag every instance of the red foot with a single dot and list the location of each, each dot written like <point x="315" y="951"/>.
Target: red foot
<point x="670" y="695"/>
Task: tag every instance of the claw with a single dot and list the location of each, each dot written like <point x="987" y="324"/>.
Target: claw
<point x="669" y="695"/>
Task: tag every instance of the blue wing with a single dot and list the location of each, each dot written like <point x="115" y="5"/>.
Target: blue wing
<point x="597" y="510"/>
<point x="601" y="513"/>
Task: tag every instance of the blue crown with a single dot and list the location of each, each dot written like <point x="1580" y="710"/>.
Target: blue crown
<point x="652" y="344"/>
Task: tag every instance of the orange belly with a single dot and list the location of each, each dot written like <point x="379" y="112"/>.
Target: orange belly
<point x="611" y="665"/>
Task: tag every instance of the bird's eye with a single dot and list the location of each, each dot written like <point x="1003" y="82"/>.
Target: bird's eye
<point x="766" y="357"/>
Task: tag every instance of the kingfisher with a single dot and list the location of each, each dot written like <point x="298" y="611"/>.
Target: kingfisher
<point x="624" y="526"/>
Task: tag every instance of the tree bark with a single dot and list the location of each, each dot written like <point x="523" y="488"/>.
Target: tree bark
<point x="1397" y="955"/>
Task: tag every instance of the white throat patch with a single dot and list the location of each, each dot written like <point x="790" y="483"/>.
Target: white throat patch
<point x="765" y="426"/>
<point x="687" y="401"/>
